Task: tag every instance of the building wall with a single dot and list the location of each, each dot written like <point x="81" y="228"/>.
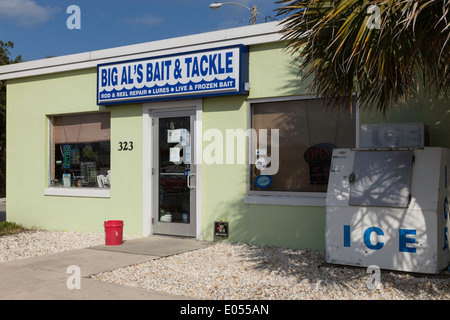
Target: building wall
<point x="30" y="102"/>
<point x="224" y="185"/>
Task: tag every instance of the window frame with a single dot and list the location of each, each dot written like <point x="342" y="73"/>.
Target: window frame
<point x="312" y="199"/>
<point x="64" y="191"/>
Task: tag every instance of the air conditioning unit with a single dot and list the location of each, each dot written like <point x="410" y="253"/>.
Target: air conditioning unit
<point x="394" y="135"/>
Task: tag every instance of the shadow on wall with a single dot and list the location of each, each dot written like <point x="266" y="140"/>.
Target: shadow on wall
<point x="428" y="109"/>
<point x="434" y="111"/>
<point x="298" y="83"/>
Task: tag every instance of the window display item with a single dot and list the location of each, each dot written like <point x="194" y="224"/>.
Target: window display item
<point x="66" y="180"/>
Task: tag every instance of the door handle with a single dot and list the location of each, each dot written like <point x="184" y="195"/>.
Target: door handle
<point x="189" y="180"/>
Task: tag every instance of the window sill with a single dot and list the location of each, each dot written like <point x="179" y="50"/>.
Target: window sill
<point x="301" y="201"/>
<point x="78" y="192"/>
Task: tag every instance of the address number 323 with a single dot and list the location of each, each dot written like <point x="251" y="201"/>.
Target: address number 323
<point x="125" y="146"/>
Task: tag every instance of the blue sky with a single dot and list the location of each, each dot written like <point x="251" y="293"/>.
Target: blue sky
<point x="38" y="27"/>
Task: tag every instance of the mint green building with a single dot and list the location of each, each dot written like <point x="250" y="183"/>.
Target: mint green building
<point x="211" y="136"/>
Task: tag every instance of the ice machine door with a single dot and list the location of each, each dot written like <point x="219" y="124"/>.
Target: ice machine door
<point x="381" y="179"/>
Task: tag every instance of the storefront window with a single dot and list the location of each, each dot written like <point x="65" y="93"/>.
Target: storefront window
<point x="306" y="137"/>
<point x="81" y="151"/>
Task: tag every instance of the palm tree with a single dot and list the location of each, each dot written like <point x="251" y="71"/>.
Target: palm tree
<point x="344" y="51"/>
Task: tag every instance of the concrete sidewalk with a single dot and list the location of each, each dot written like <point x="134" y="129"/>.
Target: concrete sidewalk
<point x="45" y="277"/>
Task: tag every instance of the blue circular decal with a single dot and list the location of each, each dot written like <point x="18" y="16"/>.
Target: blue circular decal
<point x="263" y="181"/>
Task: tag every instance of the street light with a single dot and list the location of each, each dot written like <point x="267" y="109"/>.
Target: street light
<point x="253" y="10"/>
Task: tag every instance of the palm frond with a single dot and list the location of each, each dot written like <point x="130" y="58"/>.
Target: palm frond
<point x="386" y="66"/>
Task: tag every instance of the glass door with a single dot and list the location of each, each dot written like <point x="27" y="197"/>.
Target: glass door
<point x="174" y="173"/>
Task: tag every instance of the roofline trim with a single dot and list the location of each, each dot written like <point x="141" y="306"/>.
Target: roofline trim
<point x="248" y="35"/>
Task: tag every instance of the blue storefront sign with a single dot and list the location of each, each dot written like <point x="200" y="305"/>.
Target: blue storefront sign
<point x="193" y="74"/>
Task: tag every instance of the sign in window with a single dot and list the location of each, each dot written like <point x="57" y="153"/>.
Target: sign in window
<point x="80" y="151"/>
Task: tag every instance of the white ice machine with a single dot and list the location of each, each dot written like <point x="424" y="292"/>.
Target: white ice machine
<point x="387" y="201"/>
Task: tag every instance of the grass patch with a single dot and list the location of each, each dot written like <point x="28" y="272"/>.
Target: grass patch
<point x="7" y="228"/>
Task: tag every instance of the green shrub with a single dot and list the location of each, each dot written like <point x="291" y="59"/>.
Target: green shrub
<point x="7" y="227"/>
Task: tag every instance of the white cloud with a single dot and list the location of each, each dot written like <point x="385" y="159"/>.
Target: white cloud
<point x="147" y="20"/>
<point x="25" y="12"/>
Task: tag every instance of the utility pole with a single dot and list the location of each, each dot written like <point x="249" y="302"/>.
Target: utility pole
<point x="254" y="11"/>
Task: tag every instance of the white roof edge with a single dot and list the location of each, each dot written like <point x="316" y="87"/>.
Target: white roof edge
<point x="248" y="35"/>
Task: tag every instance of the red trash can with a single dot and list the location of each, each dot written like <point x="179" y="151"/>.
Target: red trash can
<point x="113" y="232"/>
